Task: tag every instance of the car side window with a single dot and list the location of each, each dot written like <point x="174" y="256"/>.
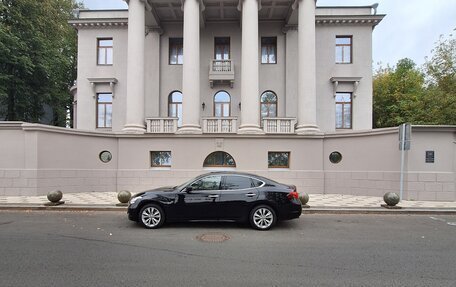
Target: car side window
<point x="237" y="182"/>
<point x="211" y="182"/>
<point x="256" y="182"/>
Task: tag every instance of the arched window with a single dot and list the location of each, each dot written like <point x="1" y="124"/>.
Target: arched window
<point x="175" y="106"/>
<point x="219" y="159"/>
<point x="268" y="104"/>
<point x="222" y="104"/>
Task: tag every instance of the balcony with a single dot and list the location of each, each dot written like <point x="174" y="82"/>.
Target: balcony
<point x="221" y="71"/>
<point x="161" y="125"/>
<point x="279" y="125"/>
<point x="225" y="125"/>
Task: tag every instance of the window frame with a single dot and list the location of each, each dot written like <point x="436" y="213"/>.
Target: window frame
<point x="268" y="46"/>
<point x="280" y="166"/>
<point x="157" y="152"/>
<point x="179" y="43"/>
<point x="268" y="104"/>
<point x="342" y="47"/>
<point x="106" y="49"/>
<point x="105" y="104"/>
<point x="175" y="106"/>
<point x="226" y="45"/>
<point x="225" y="166"/>
<point x="343" y="114"/>
<point x="222" y="104"/>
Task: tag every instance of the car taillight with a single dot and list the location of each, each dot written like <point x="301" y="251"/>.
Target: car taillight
<point x="293" y="194"/>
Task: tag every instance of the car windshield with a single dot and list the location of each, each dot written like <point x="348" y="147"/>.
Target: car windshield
<point x="180" y="187"/>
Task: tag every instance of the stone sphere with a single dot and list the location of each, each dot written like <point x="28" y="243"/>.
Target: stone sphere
<point x="54" y="196"/>
<point x="304" y="198"/>
<point x="124" y="196"/>
<point x="391" y="198"/>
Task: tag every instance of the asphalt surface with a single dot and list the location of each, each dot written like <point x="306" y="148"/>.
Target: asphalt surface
<point x="40" y="248"/>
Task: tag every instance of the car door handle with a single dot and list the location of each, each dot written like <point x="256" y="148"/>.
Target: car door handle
<point x="250" y="194"/>
<point x="213" y="196"/>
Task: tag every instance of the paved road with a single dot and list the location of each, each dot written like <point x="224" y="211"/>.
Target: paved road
<point x="105" y="249"/>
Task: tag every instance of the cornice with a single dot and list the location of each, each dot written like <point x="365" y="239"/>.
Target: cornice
<point x="99" y="23"/>
<point x="371" y="20"/>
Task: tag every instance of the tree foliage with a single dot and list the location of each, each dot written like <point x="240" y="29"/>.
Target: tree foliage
<point x="427" y="95"/>
<point x="37" y="59"/>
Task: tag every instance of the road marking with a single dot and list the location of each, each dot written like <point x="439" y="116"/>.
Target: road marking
<point x="437" y="219"/>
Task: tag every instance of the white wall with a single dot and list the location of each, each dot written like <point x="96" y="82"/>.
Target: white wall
<point x="58" y="158"/>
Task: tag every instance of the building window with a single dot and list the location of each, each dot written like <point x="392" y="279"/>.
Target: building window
<point x="160" y="159"/>
<point x="104" y="50"/>
<point x="343" y="110"/>
<point x="335" y="157"/>
<point x="176" y="51"/>
<point x="343" y="49"/>
<point x="268" y="107"/>
<point x="222" y="48"/>
<point x="219" y="159"/>
<point x="175" y="106"/>
<point x="222" y="103"/>
<point x="278" y="159"/>
<point x="104" y="110"/>
<point x="268" y="50"/>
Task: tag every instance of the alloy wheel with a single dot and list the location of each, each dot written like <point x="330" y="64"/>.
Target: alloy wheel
<point x="263" y="218"/>
<point x="151" y="217"/>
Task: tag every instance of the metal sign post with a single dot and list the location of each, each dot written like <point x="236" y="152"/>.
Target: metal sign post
<point x="405" y="133"/>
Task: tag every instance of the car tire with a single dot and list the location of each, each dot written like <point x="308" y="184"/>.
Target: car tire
<point x="151" y="216"/>
<point x="262" y="217"/>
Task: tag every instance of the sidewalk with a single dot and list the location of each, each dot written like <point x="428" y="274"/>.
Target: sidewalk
<point x="318" y="203"/>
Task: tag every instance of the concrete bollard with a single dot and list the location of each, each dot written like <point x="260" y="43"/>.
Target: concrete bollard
<point x="123" y="197"/>
<point x="54" y="198"/>
<point x="391" y="199"/>
<point x="304" y="198"/>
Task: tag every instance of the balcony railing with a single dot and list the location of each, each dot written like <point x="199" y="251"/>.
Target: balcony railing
<point x="221" y="71"/>
<point x="279" y="125"/>
<point x="225" y="125"/>
<point x="161" y="125"/>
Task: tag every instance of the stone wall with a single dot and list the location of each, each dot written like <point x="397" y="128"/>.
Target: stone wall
<point x="36" y="159"/>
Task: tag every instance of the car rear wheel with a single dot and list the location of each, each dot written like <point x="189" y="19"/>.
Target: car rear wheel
<point x="151" y="216"/>
<point x="262" y="217"/>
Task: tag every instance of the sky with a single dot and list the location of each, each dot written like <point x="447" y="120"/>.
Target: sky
<point x="410" y="29"/>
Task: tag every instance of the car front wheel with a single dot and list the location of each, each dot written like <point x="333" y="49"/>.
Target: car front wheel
<point x="262" y="217"/>
<point x="151" y="216"/>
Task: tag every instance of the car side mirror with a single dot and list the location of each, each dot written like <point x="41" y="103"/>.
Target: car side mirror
<point x="188" y="189"/>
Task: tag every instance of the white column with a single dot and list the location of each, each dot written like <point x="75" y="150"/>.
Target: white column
<point x="307" y="94"/>
<point x="250" y="98"/>
<point x="191" y="69"/>
<point x="135" y="67"/>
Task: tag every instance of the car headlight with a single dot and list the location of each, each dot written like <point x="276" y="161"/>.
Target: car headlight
<point x="134" y="199"/>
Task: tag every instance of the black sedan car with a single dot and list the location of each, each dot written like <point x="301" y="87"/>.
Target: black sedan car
<point x="224" y="196"/>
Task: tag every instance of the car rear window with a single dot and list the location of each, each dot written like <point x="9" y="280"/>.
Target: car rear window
<point x="237" y="182"/>
<point x="256" y="182"/>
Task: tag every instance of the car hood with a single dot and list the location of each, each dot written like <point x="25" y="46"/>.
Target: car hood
<point x="163" y="189"/>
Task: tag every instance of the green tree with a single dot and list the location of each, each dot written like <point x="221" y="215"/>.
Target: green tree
<point x="397" y="94"/>
<point x="441" y="82"/>
<point x="37" y="59"/>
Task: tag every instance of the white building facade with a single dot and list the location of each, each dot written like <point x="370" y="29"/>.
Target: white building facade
<point x="217" y="67"/>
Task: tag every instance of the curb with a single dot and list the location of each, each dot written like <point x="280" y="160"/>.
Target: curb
<point x="378" y="210"/>
<point x="63" y="208"/>
<point x="310" y="210"/>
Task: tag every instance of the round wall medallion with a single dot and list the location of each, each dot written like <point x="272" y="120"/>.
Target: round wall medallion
<point x="105" y="156"/>
<point x="335" y="157"/>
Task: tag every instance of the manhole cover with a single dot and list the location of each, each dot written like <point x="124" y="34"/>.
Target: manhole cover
<point x="213" y="237"/>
